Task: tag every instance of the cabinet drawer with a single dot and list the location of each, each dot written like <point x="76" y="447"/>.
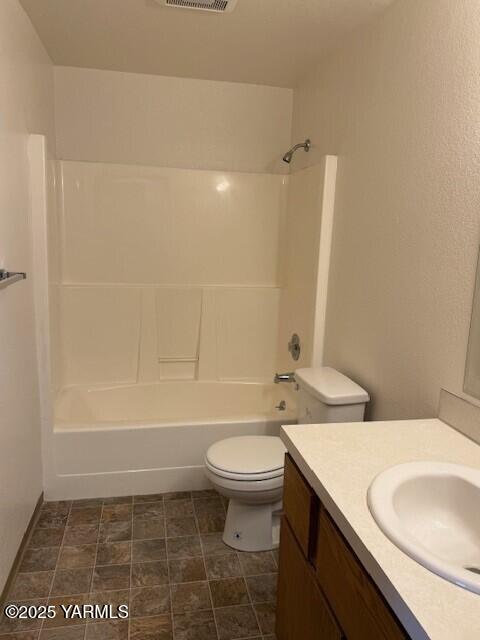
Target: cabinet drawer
<point x="355" y="600"/>
<point x="300" y="505"/>
<point x="302" y="612"/>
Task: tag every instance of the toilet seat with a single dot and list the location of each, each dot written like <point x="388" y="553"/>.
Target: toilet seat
<point x="247" y="458"/>
<point x="244" y="477"/>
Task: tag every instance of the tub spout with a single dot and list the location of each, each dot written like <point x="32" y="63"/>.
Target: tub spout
<point x="284" y="377"/>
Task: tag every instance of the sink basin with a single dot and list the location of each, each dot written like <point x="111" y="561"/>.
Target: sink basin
<point x="431" y="511"/>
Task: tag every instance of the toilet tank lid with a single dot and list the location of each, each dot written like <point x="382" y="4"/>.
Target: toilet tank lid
<point x="330" y="386"/>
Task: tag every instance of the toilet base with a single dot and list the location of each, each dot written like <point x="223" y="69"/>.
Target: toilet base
<point x="252" y="527"/>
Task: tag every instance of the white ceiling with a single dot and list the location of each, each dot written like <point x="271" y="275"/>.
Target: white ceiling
<point x="268" y="42"/>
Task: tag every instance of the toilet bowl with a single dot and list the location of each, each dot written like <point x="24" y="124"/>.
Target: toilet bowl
<point x="249" y="469"/>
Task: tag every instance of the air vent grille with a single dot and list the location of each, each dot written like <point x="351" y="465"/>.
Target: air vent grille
<point x="216" y="6"/>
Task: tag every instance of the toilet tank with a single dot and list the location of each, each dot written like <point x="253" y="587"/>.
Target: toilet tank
<point x="326" y="395"/>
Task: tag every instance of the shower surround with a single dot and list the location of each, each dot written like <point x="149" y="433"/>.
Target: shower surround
<point x="176" y="293"/>
<point x="168" y="273"/>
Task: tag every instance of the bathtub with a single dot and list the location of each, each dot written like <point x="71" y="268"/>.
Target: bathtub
<point x="149" y="438"/>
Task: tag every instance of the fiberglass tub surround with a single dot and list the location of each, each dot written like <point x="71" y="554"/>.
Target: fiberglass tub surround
<point x="168" y="274"/>
<point x="178" y="293"/>
<point x="135" y="438"/>
<point x="172" y="402"/>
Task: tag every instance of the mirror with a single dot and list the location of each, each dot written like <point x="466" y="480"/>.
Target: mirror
<point x="471" y="384"/>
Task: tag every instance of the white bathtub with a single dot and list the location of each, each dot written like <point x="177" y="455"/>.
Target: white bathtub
<point x="150" y="438"/>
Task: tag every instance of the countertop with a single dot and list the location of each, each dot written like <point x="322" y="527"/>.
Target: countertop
<point x="340" y="461"/>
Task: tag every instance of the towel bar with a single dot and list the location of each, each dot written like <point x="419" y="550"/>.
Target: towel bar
<point x="9" y="277"/>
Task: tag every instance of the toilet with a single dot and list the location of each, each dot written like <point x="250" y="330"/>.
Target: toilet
<point x="249" y="469"/>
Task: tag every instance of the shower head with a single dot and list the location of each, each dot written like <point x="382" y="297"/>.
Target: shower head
<point x="302" y="145"/>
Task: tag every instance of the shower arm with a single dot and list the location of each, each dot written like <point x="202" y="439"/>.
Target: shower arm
<point x="301" y="145"/>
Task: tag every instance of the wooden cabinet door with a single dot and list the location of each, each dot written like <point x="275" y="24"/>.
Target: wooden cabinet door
<point x="302" y="612"/>
<point x="352" y="594"/>
<point x="300" y="505"/>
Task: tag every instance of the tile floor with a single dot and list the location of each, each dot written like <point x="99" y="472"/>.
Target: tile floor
<point x="160" y="554"/>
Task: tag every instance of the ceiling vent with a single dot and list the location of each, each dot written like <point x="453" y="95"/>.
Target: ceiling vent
<point x="215" y="6"/>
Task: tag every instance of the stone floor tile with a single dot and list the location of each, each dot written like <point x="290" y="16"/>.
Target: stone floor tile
<point x="28" y="586"/>
<point x="213" y="544"/>
<point x="177" y="495"/>
<point x="22" y="635"/>
<point x="257" y="563"/>
<point x="225" y="566"/>
<point x="114" y="598"/>
<point x="115" y="531"/>
<point x="145" y="528"/>
<point x="178" y="508"/>
<point x="211" y="522"/>
<point x="69" y="582"/>
<point x="199" y="625"/>
<point x="275" y="553"/>
<point x="51" y="537"/>
<point x="15" y="625"/>
<point x="47" y="520"/>
<point x="177" y="527"/>
<point x="61" y="507"/>
<point x="192" y="596"/>
<point x="204" y="493"/>
<point x="153" y="497"/>
<point x="229" y="592"/>
<point x="266" y="617"/>
<point x="149" y="550"/>
<point x="114" y="553"/>
<point x="110" y="630"/>
<point x="236" y="622"/>
<point x="43" y="559"/>
<point x="168" y="575"/>
<point x="63" y="633"/>
<point x="149" y="574"/>
<point x="153" y="628"/>
<point x="263" y="588"/>
<point x="111" y="577"/>
<point x="60" y="620"/>
<point x="149" y="509"/>
<point x="76" y="557"/>
<point x="187" y="570"/>
<point x="86" y="515"/>
<point x="149" y="601"/>
<point x="117" y="513"/>
<point x="82" y="534"/>
<point x="87" y="503"/>
<point x="212" y="505"/>
<point x="185" y="547"/>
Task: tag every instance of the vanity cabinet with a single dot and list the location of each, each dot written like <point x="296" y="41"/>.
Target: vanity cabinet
<point x="302" y="611"/>
<point x="324" y="592"/>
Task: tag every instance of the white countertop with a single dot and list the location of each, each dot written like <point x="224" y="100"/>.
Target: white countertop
<point x="340" y="461"/>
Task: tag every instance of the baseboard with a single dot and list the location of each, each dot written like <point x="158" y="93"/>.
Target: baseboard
<point x="126" y="483"/>
<point x="20" y="552"/>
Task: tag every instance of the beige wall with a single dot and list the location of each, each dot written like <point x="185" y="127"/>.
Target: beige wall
<point x="399" y="103"/>
<point x="26" y="106"/>
<point x="128" y="118"/>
